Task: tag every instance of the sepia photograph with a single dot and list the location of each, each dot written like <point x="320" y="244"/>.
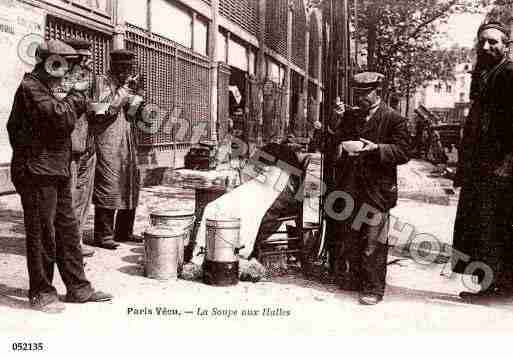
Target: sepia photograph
<point x="275" y="168"/>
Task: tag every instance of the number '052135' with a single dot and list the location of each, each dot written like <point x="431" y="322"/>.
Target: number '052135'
<point x="19" y="346"/>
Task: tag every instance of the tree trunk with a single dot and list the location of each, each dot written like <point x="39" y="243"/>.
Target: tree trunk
<point x="407" y="110"/>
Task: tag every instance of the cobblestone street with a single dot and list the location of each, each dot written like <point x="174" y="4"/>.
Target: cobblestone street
<point x="418" y="298"/>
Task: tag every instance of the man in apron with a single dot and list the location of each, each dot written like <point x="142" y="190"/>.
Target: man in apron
<point x="117" y="178"/>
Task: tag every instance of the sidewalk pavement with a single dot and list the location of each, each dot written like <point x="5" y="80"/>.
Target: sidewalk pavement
<point x="419" y="298"/>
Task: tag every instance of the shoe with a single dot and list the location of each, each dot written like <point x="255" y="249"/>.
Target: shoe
<point x="96" y="296"/>
<point x="87" y="252"/>
<point x="370" y="299"/>
<point x="107" y="244"/>
<point x="47" y="304"/>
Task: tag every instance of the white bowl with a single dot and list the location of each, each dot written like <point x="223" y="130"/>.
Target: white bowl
<point x="352" y="146"/>
<point x="99" y="108"/>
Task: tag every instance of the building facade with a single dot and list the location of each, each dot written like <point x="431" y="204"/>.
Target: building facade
<point x="204" y="63"/>
<point x="449" y="100"/>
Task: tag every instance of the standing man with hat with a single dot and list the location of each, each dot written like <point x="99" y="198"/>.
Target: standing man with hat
<point x="117" y="178"/>
<point x="373" y="140"/>
<point x="483" y="227"/>
<point x="39" y="127"/>
<point x="82" y="143"/>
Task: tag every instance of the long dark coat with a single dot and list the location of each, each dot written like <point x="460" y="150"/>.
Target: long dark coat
<point x="117" y="177"/>
<point x="482" y="229"/>
<point x="372" y="178"/>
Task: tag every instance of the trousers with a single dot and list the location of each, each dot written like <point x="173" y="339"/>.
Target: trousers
<point x="360" y="252"/>
<point x="52" y="237"/>
<point x="82" y="177"/>
<point x="113" y="224"/>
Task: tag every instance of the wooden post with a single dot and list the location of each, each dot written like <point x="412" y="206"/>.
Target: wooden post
<point x="118" y="39"/>
<point x="304" y="95"/>
<point x="212" y="53"/>
<point x="286" y="85"/>
<point x="260" y="66"/>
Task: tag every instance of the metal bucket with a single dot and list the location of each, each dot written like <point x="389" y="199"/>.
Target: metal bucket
<point x="221" y="265"/>
<point x="161" y="252"/>
<point x="222" y="239"/>
<point x="175" y="220"/>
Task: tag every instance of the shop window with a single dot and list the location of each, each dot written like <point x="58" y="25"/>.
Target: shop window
<point x="97" y="5"/>
<point x="200" y="36"/>
<point x="171" y="21"/>
<point x="237" y="55"/>
<point x="136" y="13"/>
<point x="273" y="71"/>
<point x="221" y="47"/>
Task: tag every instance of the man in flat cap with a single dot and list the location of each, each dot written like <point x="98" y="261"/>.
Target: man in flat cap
<point x="39" y="127"/>
<point x="373" y="140"/>
<point x="483" y="241"/>
<point x="117" y="178"/>
<point x="82" y="142"/>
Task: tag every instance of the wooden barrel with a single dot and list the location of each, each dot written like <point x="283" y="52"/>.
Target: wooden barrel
<point x="161" y="247"/>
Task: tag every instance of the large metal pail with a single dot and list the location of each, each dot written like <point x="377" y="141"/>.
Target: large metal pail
<point x="223" y="242"/>
<point x="176" y="220"/>
<point x="161" y="246"/>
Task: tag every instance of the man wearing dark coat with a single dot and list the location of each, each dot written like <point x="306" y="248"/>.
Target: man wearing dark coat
<point x="374" y="140"/>
<point x="39" y="127"/>
<point x="117" y="177"/>
<point x="482" y="231"/>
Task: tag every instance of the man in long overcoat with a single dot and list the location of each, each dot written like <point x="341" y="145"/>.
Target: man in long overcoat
<point x="117" y="177"/>
<point x="482" y="232"/>
<point x="365" y="187"/>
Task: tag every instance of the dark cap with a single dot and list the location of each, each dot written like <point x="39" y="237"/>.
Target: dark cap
<point x="122" y="57"/>
<point x="54" y="47"/>
<point x="366" y="81"/>
<point x="493" y="25"/>
<point x="82" y="47"/>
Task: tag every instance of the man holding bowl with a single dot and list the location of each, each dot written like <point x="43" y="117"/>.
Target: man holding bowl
<point x="373" y="140"/>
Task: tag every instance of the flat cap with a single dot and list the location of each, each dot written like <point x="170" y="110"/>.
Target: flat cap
<point x="367" y="80"/>
<point x="54" y="47"/>
<point x="493" y="25"/>
<point x="82" y="47"/>
<point x="122" y="57"/>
